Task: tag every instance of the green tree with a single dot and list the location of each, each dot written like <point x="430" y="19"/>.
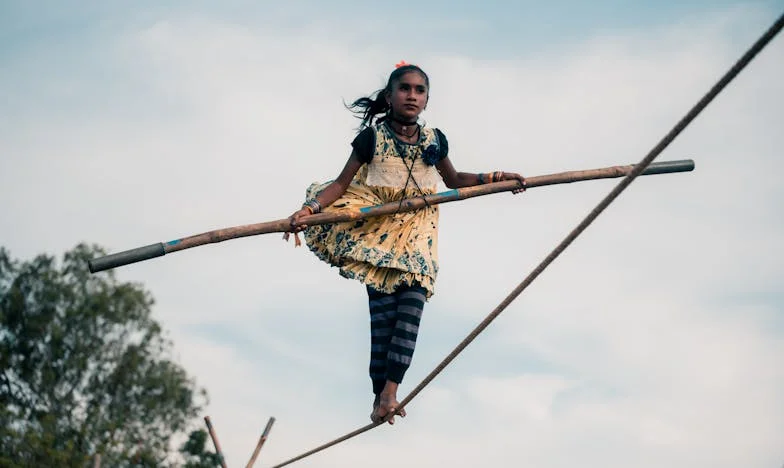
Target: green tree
<point x="195" y="451"/>
<point x="85" y="369"/>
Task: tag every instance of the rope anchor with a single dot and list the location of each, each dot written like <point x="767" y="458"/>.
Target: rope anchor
<point x="219" y="452"/>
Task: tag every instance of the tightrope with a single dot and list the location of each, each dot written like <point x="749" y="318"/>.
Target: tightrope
<point x="733" y="72"/>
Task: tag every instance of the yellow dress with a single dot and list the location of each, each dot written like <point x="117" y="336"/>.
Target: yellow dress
<point x="385" y="252"/>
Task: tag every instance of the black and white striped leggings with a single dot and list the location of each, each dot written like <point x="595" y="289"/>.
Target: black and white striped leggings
<point x="394" y="324"/>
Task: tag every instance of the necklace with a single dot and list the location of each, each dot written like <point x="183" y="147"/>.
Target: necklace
<point x="403" y="126"/>
<point x="403" y="154"/>
<point x="394" y="118"/>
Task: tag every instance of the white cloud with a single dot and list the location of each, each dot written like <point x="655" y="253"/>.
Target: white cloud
<point x="657" y="335"/>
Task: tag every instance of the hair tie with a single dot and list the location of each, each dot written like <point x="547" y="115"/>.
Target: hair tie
<point x="401" y="63"/>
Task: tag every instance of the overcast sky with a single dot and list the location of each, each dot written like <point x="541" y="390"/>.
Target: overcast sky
<point x="656" y="339"/>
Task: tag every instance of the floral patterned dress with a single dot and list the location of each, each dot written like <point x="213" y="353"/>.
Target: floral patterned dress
<point x="385" y="252"/>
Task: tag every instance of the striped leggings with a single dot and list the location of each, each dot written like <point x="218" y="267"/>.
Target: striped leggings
<point x="394" y="324"/>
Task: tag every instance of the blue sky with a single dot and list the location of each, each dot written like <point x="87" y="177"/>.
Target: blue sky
<point x="483" y="30"/>
<point x="655" y="340"/>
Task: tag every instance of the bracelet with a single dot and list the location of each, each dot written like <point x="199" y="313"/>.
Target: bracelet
<point x="307" y="207"/>
<point x="490" y="177"/>
<point x="313" y="205"/>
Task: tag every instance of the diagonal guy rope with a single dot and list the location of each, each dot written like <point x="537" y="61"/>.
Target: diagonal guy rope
<point x="679" y="127"/>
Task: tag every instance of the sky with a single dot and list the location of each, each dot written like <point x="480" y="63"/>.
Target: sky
<point x="656" y="339"/>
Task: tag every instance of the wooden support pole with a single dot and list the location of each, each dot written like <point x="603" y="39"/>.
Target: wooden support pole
<point x="262" y="439"/>
<point x="215" y="441"/>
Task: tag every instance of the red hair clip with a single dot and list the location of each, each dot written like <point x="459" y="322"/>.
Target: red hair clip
<point x="401" y="63"/>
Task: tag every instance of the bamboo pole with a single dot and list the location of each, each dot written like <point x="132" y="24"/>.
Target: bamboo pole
<point x="262" y="439"/>
<point x="215" y="441"/>
<point x="282" y="225"/>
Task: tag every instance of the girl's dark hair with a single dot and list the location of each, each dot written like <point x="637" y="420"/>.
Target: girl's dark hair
<point x="368" y="107"/>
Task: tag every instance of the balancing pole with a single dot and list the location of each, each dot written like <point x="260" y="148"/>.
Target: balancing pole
<point x="282" y="225"/>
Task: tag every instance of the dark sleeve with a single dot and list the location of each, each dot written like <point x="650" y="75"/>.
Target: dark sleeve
<point x="443" y="145"/>
<point x="365" y="144"/>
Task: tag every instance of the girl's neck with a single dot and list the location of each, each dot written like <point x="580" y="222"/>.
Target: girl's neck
<point x="402" y="127"/>
<point x="402" y="122"/>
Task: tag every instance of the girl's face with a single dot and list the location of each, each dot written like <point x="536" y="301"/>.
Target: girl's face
<point x="408" y="96"/>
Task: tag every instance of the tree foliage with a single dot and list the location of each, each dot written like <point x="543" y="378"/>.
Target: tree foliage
<point x="85" y="369"/>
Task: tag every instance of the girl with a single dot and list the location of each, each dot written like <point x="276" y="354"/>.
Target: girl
<point x="395" y="256"/>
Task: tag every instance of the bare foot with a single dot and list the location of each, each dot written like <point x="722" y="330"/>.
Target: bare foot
<point x="387" y="405"/>
<point x="373" y="416"/>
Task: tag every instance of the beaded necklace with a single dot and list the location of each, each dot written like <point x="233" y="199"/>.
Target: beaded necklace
<point x="403" y="153"/>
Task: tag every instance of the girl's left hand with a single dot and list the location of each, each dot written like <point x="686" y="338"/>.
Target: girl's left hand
<point x="517" y="177"/>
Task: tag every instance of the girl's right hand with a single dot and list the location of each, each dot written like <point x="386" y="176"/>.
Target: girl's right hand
<point x="294" y="219"/>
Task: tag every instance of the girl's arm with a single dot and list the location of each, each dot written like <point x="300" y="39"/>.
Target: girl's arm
<point x="454" y="179"/>
<point x="331" y="193"/>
